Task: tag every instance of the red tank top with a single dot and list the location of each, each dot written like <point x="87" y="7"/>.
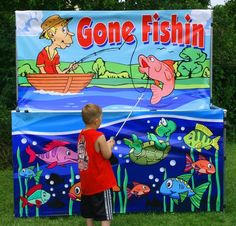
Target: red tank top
<point x="96" y="174"/>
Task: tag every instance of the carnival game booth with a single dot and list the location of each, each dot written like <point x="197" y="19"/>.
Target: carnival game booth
<point x="150" y="71"/>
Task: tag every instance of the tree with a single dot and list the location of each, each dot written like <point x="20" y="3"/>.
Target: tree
<point x="224" y="61"/>
<point x="99" y="67"/>
<point x="25" y="69"/>
<point x="192" y="61"/>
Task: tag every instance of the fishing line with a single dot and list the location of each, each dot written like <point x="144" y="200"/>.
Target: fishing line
<point x="96" y="53"/>
<point x="131" y="74"/>
<point x="128" y="116"/>
<point x="118" y="48"/>
<point x="100" y="51"/>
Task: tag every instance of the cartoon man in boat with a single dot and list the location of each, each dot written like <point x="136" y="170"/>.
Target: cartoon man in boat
<point x="55" y="29"/>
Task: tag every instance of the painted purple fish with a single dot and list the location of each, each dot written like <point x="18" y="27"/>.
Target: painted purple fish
<point x="56" y="154"/>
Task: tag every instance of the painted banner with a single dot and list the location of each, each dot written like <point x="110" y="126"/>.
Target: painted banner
<point x="164" y="161"/>
<point x="66" y="59"/>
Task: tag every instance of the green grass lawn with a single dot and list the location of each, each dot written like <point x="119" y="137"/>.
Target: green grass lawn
<point x="226" y="218"/>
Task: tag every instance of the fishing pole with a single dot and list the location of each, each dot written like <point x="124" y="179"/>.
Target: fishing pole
<point x="112" y="49"/>
<point x="128" y="116"/>
<point x="100" y="51"/>
<point x="96" y="53"/>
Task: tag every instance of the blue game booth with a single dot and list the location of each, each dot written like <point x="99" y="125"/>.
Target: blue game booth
<point x="150" y="71"/>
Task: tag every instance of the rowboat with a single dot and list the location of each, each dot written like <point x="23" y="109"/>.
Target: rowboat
<point x="61" y="83"/>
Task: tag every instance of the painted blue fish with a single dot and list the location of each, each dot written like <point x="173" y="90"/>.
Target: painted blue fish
<point x="29" y="173"/>
<point x="178" y="189"/>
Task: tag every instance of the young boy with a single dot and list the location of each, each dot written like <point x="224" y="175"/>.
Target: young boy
<point x="96" y="175"/>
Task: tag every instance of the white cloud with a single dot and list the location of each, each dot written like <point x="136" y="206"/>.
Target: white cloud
<point x="202" y="17"/>
<point x="28" y="23"/>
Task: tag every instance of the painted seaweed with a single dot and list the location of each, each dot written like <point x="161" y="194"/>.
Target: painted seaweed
<point x="26" y="190"/>
<point x="119" y="193"/>
<point x="164" y="197"/>
<point x="37" y="182"/>
<point x="192" y="179"/>
<point x="171" y="205"/>
<point x="125" y="190"/>
<point x="72" y="179"/>
<point x="19" y="179"/>
<point x="209" y="192"/>
<point x="122" y="202"/>
<point x="217" y="181"/>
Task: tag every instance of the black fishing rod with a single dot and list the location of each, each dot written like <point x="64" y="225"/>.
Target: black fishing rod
<point x="101" y="51"/>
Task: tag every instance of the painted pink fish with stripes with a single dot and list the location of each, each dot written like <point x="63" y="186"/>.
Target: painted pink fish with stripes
<point x="57" y="154"/>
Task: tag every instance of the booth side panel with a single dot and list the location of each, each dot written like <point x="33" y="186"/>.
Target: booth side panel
<point x="164" y="163"/>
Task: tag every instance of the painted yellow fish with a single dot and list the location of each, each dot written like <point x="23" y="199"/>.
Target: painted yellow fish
<point x="200" y="138"/>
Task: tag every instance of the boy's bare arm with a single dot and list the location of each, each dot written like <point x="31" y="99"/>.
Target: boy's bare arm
<point x="105" y="146"/>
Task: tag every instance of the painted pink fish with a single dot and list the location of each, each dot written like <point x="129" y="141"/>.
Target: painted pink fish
<point x="162" y="72"/>
<point x="56" y="154"/>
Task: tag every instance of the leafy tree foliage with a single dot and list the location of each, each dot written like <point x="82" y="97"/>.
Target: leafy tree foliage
<point x="192" y="61"/>
<point x="99" y="67"/>
<point x="224" y="61"/>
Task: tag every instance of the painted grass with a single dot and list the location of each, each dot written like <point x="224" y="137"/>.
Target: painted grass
<point x="226" y="218"/>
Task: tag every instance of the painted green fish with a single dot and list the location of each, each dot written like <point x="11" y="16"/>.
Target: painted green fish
<point x="200" y="138"/>
<point x="35" y="196"/>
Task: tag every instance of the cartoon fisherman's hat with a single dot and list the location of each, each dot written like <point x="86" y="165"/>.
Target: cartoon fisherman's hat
<point x="51" y="22"/>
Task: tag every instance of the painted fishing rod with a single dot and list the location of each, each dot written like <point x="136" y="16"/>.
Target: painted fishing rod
<point x="100" y="51"/>
<point x="114" y="137"/>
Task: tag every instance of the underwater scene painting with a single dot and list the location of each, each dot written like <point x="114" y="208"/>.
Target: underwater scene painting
<point x="163" y="161"/>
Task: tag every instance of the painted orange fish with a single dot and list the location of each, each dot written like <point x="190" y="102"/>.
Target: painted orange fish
<point x="201" y="166"/>
<point x="138" y="190"/>
<point x="116" y="188"/>
<point x="75" y="191"/>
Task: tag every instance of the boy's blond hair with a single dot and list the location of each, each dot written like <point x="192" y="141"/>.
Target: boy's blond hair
<point x="90" y="112"/>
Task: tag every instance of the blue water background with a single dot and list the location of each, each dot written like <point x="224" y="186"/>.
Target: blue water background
<point x="112" y="99"/>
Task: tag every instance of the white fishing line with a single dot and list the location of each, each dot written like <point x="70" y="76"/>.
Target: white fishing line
<point x="129" y="114"/>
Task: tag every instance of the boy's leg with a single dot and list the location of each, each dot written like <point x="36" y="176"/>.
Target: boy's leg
<point x="105" y="223"/>
<point x="89" y="221"/>
<point x="102" y="207"/>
